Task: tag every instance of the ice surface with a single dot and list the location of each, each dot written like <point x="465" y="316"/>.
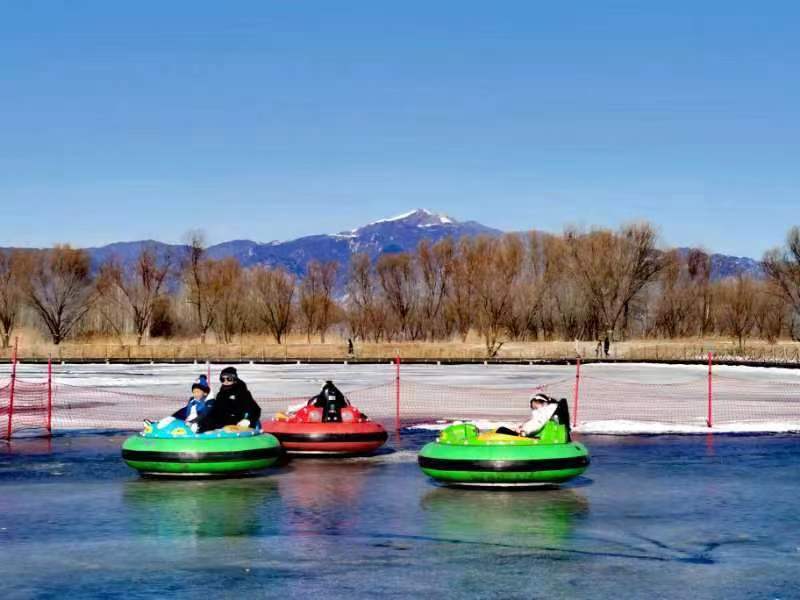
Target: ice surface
<point x="653" y="517"/>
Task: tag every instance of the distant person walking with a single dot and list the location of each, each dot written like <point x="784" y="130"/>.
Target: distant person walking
<point x="606" y="345"/>
<point x="350" y="350"/>
<point x="598" y="349"/>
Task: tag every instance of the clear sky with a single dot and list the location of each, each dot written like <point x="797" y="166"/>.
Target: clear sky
<point x="275" y="119"/>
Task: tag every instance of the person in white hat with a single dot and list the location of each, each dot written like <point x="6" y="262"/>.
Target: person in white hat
<point x="542" y="410"/>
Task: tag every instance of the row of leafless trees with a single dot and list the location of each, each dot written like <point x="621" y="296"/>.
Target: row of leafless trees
<point x="579" y="285"/>
<point x="196" y="294"/>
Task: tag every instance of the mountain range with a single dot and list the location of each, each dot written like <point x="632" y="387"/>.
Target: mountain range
<point x="394" y="234"/>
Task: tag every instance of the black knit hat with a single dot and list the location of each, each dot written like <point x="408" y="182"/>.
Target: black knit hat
<point x="201" y="384"/>
<point x="230" y="371"/>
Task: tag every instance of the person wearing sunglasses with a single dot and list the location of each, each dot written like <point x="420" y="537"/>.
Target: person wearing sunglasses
<point x="233" y="405"/>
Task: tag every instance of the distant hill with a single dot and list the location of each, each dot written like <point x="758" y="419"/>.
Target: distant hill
<point x="127" y="252"/>
<point x="394" y="234"/>
<point x="723" y="266"/>
<point x="727" y="266"/>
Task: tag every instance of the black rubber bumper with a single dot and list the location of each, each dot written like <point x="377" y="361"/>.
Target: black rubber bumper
<point x="201" y="457"/>
<point x="504" y="466"/>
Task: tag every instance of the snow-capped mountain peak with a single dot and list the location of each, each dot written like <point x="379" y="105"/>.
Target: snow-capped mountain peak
<point x="421" y="217"/>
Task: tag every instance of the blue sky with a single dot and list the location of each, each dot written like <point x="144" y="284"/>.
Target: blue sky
<point x="272" y="120"/>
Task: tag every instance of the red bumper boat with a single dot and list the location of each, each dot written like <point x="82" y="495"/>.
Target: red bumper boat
<point x="328" y="424"/>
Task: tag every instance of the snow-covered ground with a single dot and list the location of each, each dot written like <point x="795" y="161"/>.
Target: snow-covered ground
<point x="613" y="398"/>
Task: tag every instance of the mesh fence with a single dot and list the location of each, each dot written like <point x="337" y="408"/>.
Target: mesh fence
<point x="29" y="411"/>
<point x="78" y="407"/>
<point x="678" y="403"/>
<point x="423" y="402"/>
<point x="742" y="401"/>
<point x="37" y="406"/>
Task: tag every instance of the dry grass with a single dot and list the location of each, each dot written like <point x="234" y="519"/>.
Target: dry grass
<point x="33" y="346"/>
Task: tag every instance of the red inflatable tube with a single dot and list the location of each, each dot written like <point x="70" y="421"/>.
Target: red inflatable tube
<point x="360" y="437"/>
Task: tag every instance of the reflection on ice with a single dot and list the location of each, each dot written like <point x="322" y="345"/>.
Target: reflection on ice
<point x="209" y="508"/>
<point x="323" y="496"/>
<point x="526" y="517"/>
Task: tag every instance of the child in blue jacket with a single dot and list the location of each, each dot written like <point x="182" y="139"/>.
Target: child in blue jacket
<point x="198" y="403"/>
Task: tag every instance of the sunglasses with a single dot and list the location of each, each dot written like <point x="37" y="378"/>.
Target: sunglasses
<point x="228" y="378"/>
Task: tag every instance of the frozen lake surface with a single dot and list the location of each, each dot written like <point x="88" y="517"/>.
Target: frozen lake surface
<point x="654" y="517"/>
<point x="614" y="398"/>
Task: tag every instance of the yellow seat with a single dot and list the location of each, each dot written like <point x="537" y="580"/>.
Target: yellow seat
<point x="492" y="437"/>
<point x="235" y="429"/>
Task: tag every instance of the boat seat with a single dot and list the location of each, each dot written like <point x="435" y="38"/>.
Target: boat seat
<point x="492" y="437"/>
<point x="458" y="434"/>
<point x="553" y="433"/>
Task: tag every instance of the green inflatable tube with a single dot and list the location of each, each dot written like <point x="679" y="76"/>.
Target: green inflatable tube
<point x="201" y="456"/>
<point x="461" y="456"/>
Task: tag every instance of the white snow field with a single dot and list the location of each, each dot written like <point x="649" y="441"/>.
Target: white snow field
<point x="612" y="398"/>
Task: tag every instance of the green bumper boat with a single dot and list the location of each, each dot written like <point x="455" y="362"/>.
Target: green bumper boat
<point x="463" y="456"/>
<point x="228" y="451"/>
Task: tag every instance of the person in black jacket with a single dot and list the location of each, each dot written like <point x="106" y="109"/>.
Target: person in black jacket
<point x="331" y="400"/>
<point x="233" y="405"/>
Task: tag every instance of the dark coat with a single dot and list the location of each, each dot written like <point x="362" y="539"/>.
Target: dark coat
<point x="232" y="404"/>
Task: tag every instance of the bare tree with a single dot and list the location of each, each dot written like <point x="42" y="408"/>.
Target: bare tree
<point x="204" y="284"/>
<point x="328" y="308"/>
<point x="59" y="288"/>
<point x="566" y="310"/>
<point x="398" y="283"/>
<point x="11" y="292"/>
<point x="111" y="307"/>
<point x="436" y="265"/>
<point x="227" y="296"/>
<point x="274" y="293"/>
<point x="675" y="299"/>
<point x="317" y="306"/>
<point x="460" y="302"/>
<point x="699" y="267"/>
<point x="534" y="285"/>
<point x="738" y="306"/>
<point x="194" y="277"/>
<point x="163" y="323"/>
<point x="365" y="314"/>
<point x="771" y="311"/>
<point x="498" y="265"/>
<point x="138" y="286"/>
<point x="309" y="300"/>
<point x="782" y="266"/>
<point x="613" y="268"/>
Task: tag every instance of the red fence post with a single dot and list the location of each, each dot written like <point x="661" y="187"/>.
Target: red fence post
<point x="709" y="416"/>
<point x="50" y="394"/>
<point x="577" y="390"/>
<point x="13" y="382"/>
<point x="397" y="393"/>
